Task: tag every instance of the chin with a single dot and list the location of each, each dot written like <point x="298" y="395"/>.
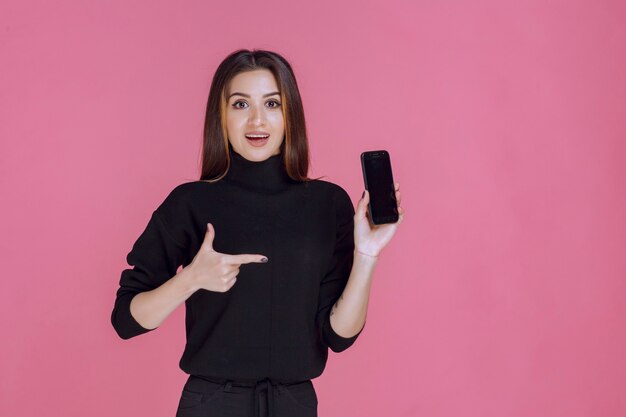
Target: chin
<point x="257" y="154"/>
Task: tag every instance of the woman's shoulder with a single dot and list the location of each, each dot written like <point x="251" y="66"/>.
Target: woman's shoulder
<point x="332" y="191"/>
<point x="180" y="196"/>
<point x="185" y="189"/>
<point x="325" y="185"/>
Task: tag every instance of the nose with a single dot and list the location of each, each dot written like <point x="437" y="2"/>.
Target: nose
<point x="257" y="117"/>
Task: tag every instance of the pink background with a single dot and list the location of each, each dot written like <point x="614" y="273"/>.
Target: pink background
<point x="503" y="292"/>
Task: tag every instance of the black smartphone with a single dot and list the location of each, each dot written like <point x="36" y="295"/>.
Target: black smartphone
<point x="383" y="207"/>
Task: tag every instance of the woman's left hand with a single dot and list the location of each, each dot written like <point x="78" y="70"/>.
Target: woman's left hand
<point x="370" y="239"/>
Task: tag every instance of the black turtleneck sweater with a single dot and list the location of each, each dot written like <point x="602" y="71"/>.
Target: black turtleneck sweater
<point x="274" y="322"/>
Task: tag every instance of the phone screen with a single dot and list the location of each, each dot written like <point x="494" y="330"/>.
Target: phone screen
<point x="383" y="207"/>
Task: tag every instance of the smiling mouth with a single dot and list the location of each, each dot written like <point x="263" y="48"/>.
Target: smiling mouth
<point x="257" y="141"/>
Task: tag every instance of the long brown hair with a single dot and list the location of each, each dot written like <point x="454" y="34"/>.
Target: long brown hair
<point x="215" y="146"/>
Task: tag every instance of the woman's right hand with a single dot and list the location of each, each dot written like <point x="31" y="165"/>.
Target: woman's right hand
<point x="215" y="271"/>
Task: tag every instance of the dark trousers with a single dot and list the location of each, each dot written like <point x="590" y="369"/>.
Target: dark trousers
<point x="202" y="397"/>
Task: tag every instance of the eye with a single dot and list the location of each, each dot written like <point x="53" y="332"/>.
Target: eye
<point x="238" y="102"/>
<point x="277" y="103"/>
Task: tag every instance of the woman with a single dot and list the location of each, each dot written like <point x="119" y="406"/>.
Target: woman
<point x="277" y="267"/>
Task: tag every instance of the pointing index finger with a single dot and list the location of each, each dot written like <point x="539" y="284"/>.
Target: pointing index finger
<point x="245" y="258"/>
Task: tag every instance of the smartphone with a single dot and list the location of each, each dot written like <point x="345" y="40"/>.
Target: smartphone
<point x="383" y="207"/>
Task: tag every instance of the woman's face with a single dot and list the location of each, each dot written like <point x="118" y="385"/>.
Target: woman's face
<point x="254" y="108"/>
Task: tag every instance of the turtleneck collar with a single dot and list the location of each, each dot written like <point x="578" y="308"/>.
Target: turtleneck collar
<point x="268" y="175"/>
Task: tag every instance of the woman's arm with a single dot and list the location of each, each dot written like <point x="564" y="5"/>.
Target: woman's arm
<point x="151" y="308"/>
<point x="209" y="270"/>
<point x="349" y="312"/>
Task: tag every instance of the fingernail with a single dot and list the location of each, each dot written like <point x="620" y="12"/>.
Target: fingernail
<point x="264" y="259"/>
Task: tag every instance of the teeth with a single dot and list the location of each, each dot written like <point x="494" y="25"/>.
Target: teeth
<point x="257" y="136"/>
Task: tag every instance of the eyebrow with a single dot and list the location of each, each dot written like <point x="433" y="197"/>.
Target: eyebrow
<point x="248" y="95"/>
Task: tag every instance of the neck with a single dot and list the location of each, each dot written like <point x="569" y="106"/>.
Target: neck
<point x="268" y="175"/>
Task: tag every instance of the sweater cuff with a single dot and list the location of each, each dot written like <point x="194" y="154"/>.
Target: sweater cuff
<point x="123" y="321"/>
<point x="336" y="342"/>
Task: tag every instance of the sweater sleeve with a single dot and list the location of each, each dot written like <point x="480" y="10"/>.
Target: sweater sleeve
<point x="336" y="278"/>
<point x="154" y="257"/>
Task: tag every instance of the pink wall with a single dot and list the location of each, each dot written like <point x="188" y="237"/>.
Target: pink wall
<point x="503" y="292"/>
